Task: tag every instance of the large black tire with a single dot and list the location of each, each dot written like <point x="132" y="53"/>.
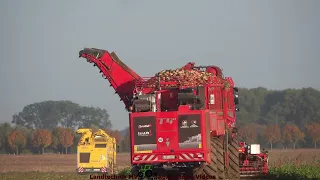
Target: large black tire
<point x="233" y="154"/>
<point x="216" y="168"/>
<point x="218" y="146"/>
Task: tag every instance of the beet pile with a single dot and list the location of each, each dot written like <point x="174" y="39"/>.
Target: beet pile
<point x="182" y="76"/>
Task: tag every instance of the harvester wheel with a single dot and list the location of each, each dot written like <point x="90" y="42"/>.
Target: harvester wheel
<point x="234" y="170"/>
<point x="216" y="168"/>
<point x="140" y="175"/>
<point x="148" y="173"/>
<point x="218" y="146"/>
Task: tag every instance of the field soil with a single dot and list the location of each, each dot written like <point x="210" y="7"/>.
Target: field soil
<point x="67" y="163"/>
<point x="49" y="162"/>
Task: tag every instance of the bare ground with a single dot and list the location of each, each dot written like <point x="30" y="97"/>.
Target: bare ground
<point x="49" y="163"/>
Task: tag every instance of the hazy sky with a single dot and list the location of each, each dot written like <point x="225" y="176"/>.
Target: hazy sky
<point x="274" y="44"/>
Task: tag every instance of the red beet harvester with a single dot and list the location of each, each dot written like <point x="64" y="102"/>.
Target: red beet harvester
<point x="181" y="129"/>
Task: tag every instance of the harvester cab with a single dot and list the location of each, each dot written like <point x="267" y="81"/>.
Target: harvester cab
<point x="253" y="161"/>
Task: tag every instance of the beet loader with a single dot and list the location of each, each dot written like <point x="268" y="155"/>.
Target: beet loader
<point x="96" y="152"/>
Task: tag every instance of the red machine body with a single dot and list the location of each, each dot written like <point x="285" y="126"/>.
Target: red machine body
<point x="252" y="162"/>
<point x="174" y="125"/>
<point x="167" y="134"/>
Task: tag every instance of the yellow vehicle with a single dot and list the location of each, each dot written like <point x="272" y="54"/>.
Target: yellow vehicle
<point x="96" y="152"/>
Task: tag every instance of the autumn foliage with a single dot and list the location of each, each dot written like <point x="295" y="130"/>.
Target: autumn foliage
<point x="116" y="134"/>
<point x="63" y="138"/>
<point x="272" y="134"/>
<point x="17" y="140"/>
<point x="66" y="138"/>
<point x="248" y="133"/>
<point x="292" y="134"/>
<point x="41" y="138"/>
<point x="313" y="130"/>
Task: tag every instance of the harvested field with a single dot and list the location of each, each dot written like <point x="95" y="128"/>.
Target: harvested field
<point x="297" y="156"/>
<point x="48" y="163"/>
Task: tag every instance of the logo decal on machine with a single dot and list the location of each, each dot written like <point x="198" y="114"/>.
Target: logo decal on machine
<point x="144" y="126"/>
<point x="184" y="124"/>
<point x="194" y="124"/>
<point x="166" y="120"/>
<point x="168" y="142"/>
<point x="145" y="133"/>
<point x="160" y="139"/>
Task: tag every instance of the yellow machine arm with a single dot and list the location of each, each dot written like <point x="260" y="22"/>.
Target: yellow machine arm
<point x="101" y="132"/>
<point x="86" y="135"/>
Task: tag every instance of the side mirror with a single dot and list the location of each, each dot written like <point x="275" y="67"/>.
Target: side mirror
<point x="235" y="89"/>
<point x="236" y="95"/>
<point x="236" y="99"/>
<point x="118" y="148"/>
<point x="237" y="109"/>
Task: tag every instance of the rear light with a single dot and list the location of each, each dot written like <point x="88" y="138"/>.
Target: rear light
<point x="169" y="157"/>
<point x="199" y="155"/>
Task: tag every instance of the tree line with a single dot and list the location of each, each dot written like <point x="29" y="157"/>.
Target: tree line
<point x="288" y="136"/>
<point x="272" y="118"/>
<point x="18" y="139"/>
<point x="51" y="114"/>
<point x="279" y="118"/>
<point x="51" y="125"/>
